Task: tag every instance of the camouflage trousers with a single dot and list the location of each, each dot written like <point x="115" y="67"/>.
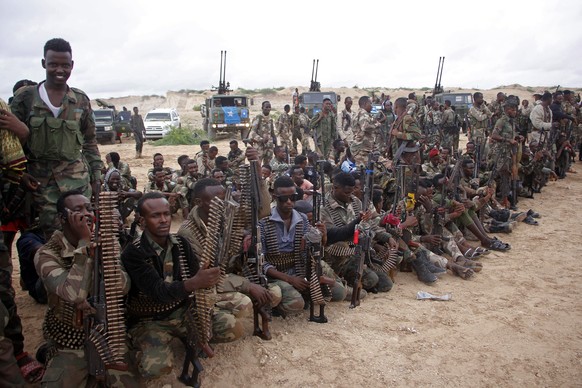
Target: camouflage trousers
<point x="265" y="153"/>
<point x="291" y="300"/>
<point x="346" y="267"/>
<point x="306" y="141"/>
<point x="13" y="328"/>
<point x="10" y="375"/>
<point x="45" y="200"/>
<point x="285" y="138"/>
<point x="296" y="136"/>
<point x="361" y="157"/>
<point x="229" y="308"/>
<point x="339" y="290"/>
<point x="451" y="138"/>
<point x="68" y="368"/>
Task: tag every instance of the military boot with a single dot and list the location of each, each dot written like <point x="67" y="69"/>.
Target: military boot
<point x="422" y="272"/>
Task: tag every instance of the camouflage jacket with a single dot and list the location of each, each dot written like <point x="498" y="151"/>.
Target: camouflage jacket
<point x="479" y="117"/>
<point x="67" y="272"/>
<point x="365" y="129"/>
<point x="71" y="144"/>
<point x="263" y="131"/>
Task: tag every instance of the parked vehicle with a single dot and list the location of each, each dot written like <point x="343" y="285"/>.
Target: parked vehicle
<point x="159" y="122"/>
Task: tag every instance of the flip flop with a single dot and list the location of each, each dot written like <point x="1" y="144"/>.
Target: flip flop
<point x="472" y="253"/>
<point x="31" y="370"/>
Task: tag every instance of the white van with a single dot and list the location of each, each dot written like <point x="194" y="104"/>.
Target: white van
<point x="158" y="122"/>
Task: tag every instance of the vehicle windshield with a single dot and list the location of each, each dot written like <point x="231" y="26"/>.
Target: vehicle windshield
<point x="317" y="98"/>
<point x="103" y="114"/>
<point x="458" y="99"/>
<point x="158" y="116"/>
<point x="229" y="101"/>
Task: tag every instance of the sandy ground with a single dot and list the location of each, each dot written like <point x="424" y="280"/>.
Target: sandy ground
<point x="517" y="323"/>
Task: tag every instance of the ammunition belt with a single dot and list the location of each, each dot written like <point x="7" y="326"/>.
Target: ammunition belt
<point x="336" y="217"/>
<point x="340" y="250"/>
<point x="143" y="306"/>
<point x="287" y="260"/>
<point x="320" y="294"/>
<point x="283" y="261"/>
<point x="64" y="334"/>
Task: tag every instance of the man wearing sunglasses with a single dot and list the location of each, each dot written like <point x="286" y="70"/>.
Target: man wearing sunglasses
<point x="282" y="236"/>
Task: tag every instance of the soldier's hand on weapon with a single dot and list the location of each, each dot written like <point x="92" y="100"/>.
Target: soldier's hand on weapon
<point x="365" y="216"/>
<point x="326" y="281"/>
<point x="323" y="229"/>
<point x="85" y="307"/>
<point x="426" y="202"/>
<point x="394" y="131"/>
<point x="204" y="278"/>
<point x="300" y="284"/>
<point x="432" y="239"/>
<point x="393" y="244"/>
<point x="29" y="182"/>
<point x="251" y="153"/>
<point x="260" y="294"/>
<point x="409" y="221"/>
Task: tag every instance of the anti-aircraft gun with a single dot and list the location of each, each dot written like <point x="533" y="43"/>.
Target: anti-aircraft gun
<point x="225" y="113"/>
<point x="312" y="100"/>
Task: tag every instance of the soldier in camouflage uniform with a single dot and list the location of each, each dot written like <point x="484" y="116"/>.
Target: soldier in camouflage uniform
<point x="232" y="301"/>
<point x="450" y="127"/>
<point x="61" y="147"/>
<point x="284" y="127"/>
<point x="236" y="157"/>
<point x="296" y="129"/>
<point x="504" y="146"/>
<point x="66" y="268"/>
<point x="479" y="116"/>
<point x="306" y="137"/>
<point x="324" y="129"/>
<point x="365" y="128"/>
<point x="496" y="108"/>
<point x="158" y="300"/>
<point x="405" y="129"/>
<point x="263" y="133"/>
<point x="185" y="185"/>
<point x="282" y="237"/>
<point x="524" y="122"/>
<point x="346" y="132"/>
<point x="280" y="163"/>
<point x="342" y="208"/>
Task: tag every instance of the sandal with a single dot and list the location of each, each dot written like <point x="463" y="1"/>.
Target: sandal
<point x="31" y="370"/>
<point x="472" y="253"/>
<point x="482" y="251"/>
<point x="498" y="245"/>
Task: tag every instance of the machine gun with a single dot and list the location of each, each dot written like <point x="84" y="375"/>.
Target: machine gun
<point x="318" y="293"/>
<point x="264" y="312"/>
<point x="437" y="84"/>
<point x="314" y="85"/>
<point x="223" y="86"/>
<point x="363" y="234"/>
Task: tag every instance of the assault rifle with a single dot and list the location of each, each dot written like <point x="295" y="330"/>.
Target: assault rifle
<point x="261" y="330"/>
<point x="363" y="234"/>
<point x="315" y="250"/>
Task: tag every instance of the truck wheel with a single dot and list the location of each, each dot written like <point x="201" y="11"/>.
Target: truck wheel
<point x="211" y="133"/>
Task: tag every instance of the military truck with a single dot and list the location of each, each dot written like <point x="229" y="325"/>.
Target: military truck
<point x="224" y="113"/>
<point x="109" y="125"/>
<point x="461" y="102"/>
<point x="312" y="100"/>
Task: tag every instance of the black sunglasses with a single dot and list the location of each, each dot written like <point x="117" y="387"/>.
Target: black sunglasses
<point x="284" y="198"/>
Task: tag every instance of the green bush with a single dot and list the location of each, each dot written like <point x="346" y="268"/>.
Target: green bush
<point x="181" y="136"/>
<point x="197" y="108"/>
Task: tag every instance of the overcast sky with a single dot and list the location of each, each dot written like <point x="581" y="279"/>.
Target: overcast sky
<point x="144" y="47"/>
